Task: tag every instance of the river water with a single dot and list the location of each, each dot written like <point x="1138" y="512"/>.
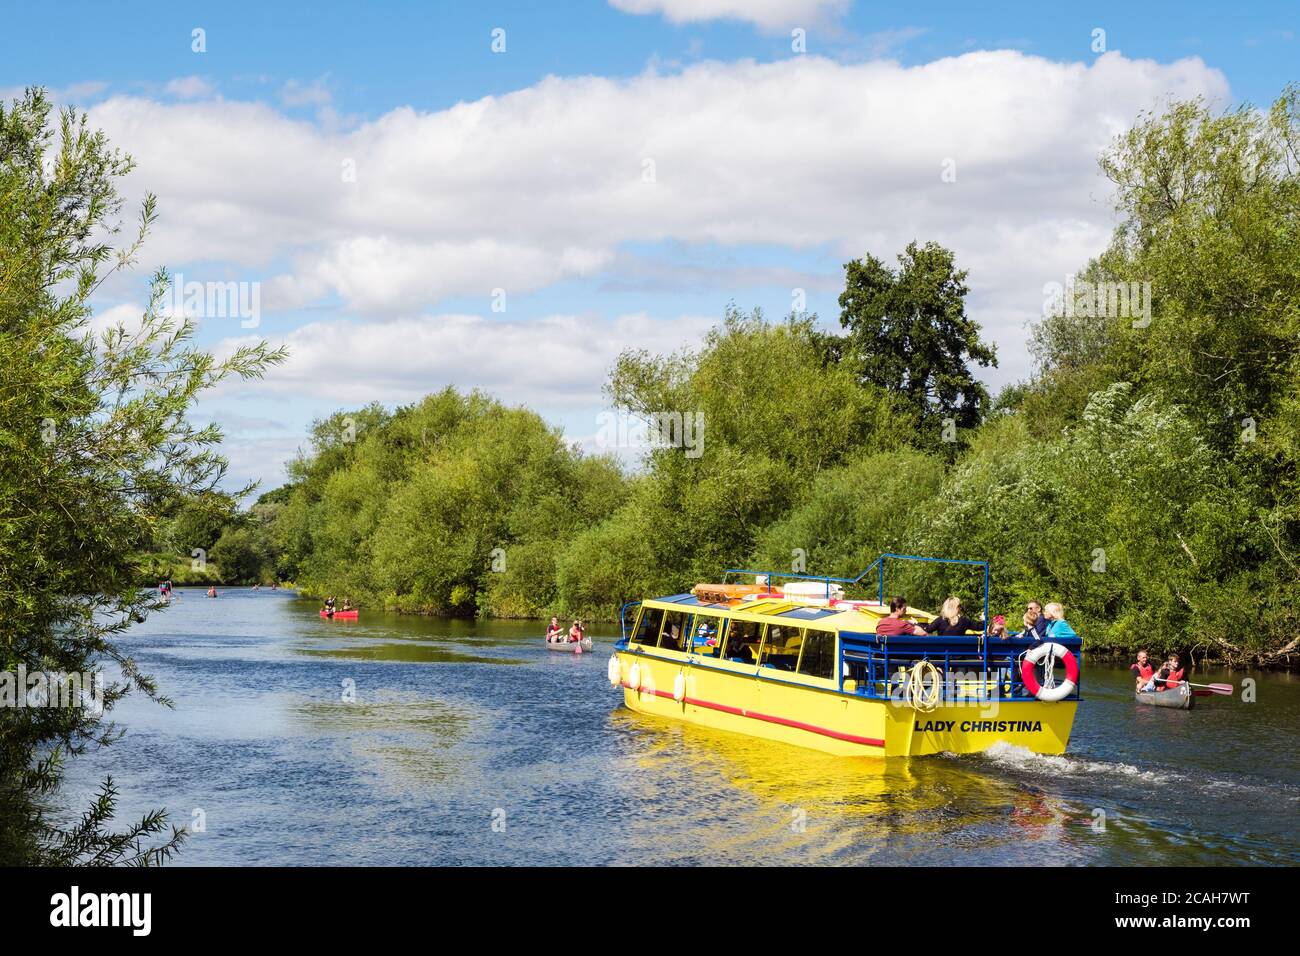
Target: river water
<point x="469" y="743"/>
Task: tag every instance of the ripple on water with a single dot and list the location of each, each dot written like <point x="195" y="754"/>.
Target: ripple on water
<point x="435" y="743"/>
<point x="405" y="651"/>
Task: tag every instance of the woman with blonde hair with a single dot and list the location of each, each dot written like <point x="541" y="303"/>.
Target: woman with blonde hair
<point x="1057" y="627"/>
<point x="951" y="621"/>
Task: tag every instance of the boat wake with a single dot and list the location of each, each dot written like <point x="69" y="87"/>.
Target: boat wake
<point x="1026" y="761"/>
<point x="1022" y="761"/>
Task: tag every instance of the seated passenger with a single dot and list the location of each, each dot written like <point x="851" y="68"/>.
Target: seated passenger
<point x="1035" y="623"/>
<point x="705" y="636"/>
<point x="1170" y="674"/>
<point x="999" y="627"/>
<point x="1142" y="670"/>
<point x="897" y="622"/>
<point x="1057" y="628"/>
<point x="553" y="631"/>
<point x="673" y="638"/>
<point x="951" y="622"/>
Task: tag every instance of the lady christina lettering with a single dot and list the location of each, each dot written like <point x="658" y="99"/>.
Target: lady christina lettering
<point x="977" y="726"/>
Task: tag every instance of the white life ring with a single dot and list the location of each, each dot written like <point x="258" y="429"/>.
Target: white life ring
<point x="679" y="687"/>
<point x="613" y="670"/>
<point x="634" y="676"/>
<point x="1037" y="656"/>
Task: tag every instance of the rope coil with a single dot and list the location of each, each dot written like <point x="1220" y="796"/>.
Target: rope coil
<point x="923" y="698"/>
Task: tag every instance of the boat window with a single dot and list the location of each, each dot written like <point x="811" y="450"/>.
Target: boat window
<point x="781" y="651"/>
<point x="705" y="634"/>
<point x="676" y="625"/>
<point x="647" y="626"/>
<point x="742" y="640"/>
<point x="818" y="656"/>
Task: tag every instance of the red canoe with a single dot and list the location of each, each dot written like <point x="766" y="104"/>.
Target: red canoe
<point x="344" y="615"/>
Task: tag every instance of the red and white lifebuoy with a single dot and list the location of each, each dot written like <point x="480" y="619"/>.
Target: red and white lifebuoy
<point x="1037" y="656"/>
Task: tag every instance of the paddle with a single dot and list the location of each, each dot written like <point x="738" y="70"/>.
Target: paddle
<point x="1227" y="690"/>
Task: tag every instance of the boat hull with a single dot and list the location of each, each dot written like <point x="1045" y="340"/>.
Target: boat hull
<point x="1180" y="698"/>
<point x="342" y="615"/>
<point x="568" y="646"/>
<point x="834" y="722"/>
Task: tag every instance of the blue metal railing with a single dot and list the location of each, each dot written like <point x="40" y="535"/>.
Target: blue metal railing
<point x="622" y="619"/>
<point x="970" y="667"/>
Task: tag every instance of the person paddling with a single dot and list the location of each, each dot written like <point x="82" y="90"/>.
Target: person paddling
<point x="1142" y="670"/>
<point x="1170" y="674"/>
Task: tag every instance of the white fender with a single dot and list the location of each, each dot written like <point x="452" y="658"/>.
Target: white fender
<point x="679" y="687"/>
<point x="613" y="670"/>
<point x="634" y="676"/>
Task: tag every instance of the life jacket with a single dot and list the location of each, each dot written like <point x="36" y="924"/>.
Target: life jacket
<point x="1174" y="679"/>
<point x="1144" y="671"/>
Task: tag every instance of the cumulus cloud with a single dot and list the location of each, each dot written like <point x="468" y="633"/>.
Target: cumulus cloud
<point x="555" y="363"/>
<point x="557" y="180"/>
<point x="766" y="14"/>
<point x="189" y="88"/>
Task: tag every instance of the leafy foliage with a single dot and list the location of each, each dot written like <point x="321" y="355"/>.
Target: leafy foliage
<point x="95" y="449"/>
<point x="908" y="333"/>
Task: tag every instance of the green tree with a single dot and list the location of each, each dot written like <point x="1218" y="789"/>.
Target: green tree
<point x="776" y="413"/>
<point x="908" y="333"/>
<point x="239" y="555"/>
<point x="95" y="448"/>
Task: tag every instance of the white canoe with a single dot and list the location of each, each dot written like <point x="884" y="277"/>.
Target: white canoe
<point x="1179" y="697"/>
<point x="568" y="645"/>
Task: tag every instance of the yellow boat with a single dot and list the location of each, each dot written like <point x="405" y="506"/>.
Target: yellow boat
<point x="813" y="672"/>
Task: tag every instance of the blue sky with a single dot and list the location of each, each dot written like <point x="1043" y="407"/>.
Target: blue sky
<point x="620" y="175"/>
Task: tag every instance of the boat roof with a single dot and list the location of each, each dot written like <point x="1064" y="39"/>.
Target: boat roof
<point x="843" y="616"/>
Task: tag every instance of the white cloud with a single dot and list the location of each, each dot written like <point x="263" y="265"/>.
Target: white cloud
<point x="129" y="315"/>
<point x="548" y="183"/>
<point x="555" y="363"/>
<point x="766" y="14"/>
<point x="189" y="88"/>
<point x="297" y="93"/>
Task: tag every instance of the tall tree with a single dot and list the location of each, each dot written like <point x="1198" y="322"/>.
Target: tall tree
<point x="95" y="447"/>
<point x="908" y="333"/>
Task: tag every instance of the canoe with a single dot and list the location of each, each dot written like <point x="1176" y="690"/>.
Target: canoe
<point x="342" y="615"/>
<point x="569" y="646"/>
<point x="1179" y="697"/>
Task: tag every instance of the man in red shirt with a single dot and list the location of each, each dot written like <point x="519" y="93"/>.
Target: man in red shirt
<point x="897" y="623"/>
